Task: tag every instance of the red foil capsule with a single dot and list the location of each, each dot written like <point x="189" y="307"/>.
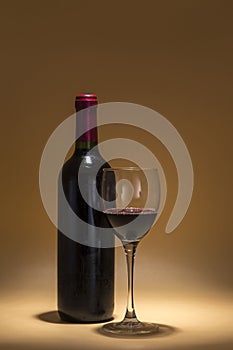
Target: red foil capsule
<point x="89" y="122"/>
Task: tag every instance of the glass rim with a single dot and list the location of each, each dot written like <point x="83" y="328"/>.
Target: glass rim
<point x="129" y="168"/>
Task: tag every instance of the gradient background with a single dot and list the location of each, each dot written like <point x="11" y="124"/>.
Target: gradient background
<point x="172" y="56"/>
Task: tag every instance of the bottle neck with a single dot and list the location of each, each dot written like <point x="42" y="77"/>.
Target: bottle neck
<point x="86" y="119"/>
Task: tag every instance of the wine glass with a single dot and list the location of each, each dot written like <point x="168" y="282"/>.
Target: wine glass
<point x="131" y="198"/>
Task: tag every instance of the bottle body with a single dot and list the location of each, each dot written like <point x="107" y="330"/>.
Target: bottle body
<point x="85" y="272"/>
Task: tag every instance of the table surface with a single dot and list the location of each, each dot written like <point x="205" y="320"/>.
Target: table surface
<point x="203" y="321"/>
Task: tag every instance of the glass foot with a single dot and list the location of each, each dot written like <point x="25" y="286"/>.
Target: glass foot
<point x="131" y="328"/>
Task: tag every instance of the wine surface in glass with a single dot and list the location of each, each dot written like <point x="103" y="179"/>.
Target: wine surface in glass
<point x="126" y="227"/>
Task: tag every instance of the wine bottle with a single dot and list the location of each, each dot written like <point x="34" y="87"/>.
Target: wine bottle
<point x="85" y="273"/>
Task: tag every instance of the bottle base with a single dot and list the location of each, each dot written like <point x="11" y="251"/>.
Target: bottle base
<point x="66" y="318"/>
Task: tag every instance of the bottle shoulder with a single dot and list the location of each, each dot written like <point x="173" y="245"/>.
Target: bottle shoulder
<point x="83" y="163"/>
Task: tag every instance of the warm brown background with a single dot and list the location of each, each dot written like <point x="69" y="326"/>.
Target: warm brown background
<point x="173" y="56"/>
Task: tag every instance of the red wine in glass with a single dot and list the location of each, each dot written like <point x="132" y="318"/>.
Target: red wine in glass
<point x="128" y="229"/>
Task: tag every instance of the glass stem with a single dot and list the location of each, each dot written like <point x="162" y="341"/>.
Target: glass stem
<point x="130" y="251"/>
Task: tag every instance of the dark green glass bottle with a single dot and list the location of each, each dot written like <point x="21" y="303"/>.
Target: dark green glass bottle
<point x="85" y="273"/>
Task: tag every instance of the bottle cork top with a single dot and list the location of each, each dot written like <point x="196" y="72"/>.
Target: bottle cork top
<point x="86" y="97"/>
